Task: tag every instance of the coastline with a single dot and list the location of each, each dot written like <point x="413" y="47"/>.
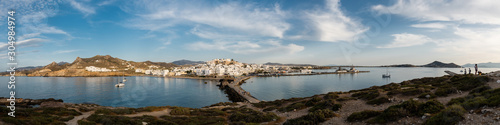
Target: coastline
<point x="288" y="110"/>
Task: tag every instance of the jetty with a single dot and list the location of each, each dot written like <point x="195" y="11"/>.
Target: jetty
<point x="450" y="73"/>
<point x="234" y="85"/>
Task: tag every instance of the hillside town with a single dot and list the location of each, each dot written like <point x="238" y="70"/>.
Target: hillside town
<point x="215" y="67"/>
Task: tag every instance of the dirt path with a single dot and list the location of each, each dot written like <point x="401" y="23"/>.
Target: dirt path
<point x="74" y="121"/>
<point x="155" y="113"/>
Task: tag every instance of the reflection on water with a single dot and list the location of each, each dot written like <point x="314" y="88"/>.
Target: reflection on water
<point x="138" y="91"/>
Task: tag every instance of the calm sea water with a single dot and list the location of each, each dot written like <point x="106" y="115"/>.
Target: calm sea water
<point x="272" y="88"/>
<point x="138" y="91"/>
<point x="154" y="91"/>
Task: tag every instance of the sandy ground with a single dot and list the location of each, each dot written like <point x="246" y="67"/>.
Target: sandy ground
<point x="74" y="121"/>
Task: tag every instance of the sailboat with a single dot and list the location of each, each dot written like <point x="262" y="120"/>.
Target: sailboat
<point x="386" y="75"/>
<point x="122" y="83"/>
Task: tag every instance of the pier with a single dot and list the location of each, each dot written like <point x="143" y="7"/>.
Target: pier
<point x="234" y="85"/>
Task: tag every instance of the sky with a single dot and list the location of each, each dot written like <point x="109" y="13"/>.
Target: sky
<point x="321" y="32"/>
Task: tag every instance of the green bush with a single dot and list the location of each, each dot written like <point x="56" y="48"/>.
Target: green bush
<point x="480" y="89"/>
<point x="326" y="104"/>
<point x="363" y="115"/>
<point x="197" y="120"/>
<point x="444" y="91"/>
<point x="458" y="101"/>
<point x="113" y="120"/>
<point x="392" y="113"/>
<point x="366" y="95"/>
<point x="450" y="116"/>
<point x="394" y="92"/>
<point x="412" y="91"/>
<point x="294" y="106"/>
<point x="424" y="95"/>
<point x="117" y="111"/>
<point x="494" y="101"/>
<point x="313" y="118"/>
<point x="208" y="112"/>
<point x="475" y="103"/>
<point x="345" y="99"/>
<point x="313" y="101"/>
<point x="331" y="95"/>
<point x="180" y="111"/>
<point x="378" y="101"/>
<point x="253" y="117"/>
<point x="431" y="106"/>
<point x="83" y="122"/>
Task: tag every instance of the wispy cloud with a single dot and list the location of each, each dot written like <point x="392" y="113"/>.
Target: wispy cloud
<point x="464" y="11"/>
<point x="406" y="40"/>
<point x="431" y="25"/>
<point x="234" y="17"/>
<point x="106" y="2"/>
<point x="83" y="8"/>
<point x="64" y="51"/>
<point x="32" y="42"/>
<point x="246" y="47"/>
<point x="332" y="25"/>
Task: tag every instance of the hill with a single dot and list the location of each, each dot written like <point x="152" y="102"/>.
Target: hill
<point x="435" y="64"/>
<point x="438" y="64"/>
<point x="187" y="62"/>
<point x="484" y="65"/>
<point x="279" y="64"/>
<point x="77" y="67"/>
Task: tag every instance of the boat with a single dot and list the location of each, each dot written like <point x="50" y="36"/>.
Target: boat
<point x="386" y="75"/>
<point x="122" y="83"/>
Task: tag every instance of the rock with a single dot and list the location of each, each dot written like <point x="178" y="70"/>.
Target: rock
<point x="427" y="114"/>
<point x="484" y="111"/>
<point x="416" y="99"/>
<point x="498" y="81"/>
<point x="52" y="104"/>
<point x="427" y="96"/>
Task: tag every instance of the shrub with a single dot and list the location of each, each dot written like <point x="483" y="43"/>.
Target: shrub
<point x="313" y="118"/>
<point x="494" y="100"/>
<point x="198" y="120"/>
<point x="331" y="95"/>
<point x="223" y="104"/>
<point x="294" y="106"/>
<point x="346" y="99"/>
<point x="394" y="92"/>
<point x="474" y="103"/>
<point x="444" y="91"/>
<point x="424" y="95"/>
<point x="431" y="106"/>
<point x="84" y="122"/>
<point x="456" y="101"/>
<point x="392" y="113"/>
<point x="313" y="101"/>
<point x="180" y="111"/>
<point x="112" y="120"/>
<point x="367" y="95"/>
<point x="326" y="104"/>
<point x="450" y="116"/>
<point x="480" y="89"/>
<point x="117" y="111"/>
<point x="363" y="115"/>
<point x="378" y="101"/>
<point x="412" y="91"/>
<point x="208" y="112"/>
<point x="251" y="116"/>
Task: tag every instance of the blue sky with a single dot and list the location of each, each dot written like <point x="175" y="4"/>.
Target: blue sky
<point x="322" y="32"/>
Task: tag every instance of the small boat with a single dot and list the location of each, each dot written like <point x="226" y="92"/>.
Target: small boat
<point x="122" y="83"/>
<point x="386" y="75"/>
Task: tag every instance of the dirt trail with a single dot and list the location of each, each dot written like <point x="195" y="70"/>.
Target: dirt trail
<point x="74" y="121"/>
<point x="154" y="114"/>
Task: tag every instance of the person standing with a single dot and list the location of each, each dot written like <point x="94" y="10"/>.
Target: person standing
<point x="475" y="67"/>
<point x="470" y="71"/>
<point x="465" y="71"/>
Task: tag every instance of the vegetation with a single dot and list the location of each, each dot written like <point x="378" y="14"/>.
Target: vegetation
<point x="363" y="115"/>
<point x="38" y="115"/>
<point x="326" y="104"/>
<point x="407" y="108"/>
<point x="366" y="95"/>
<point x="247" y="115"/>
<point x="450" y="116"/>
<point x="180" y="111"/>
<point x="378" y="101"/>
<point x="313" y="118"/>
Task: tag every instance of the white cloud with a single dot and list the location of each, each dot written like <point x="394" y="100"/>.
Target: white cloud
<point x="246" y="47"/>
<point x="481" y="42"/>
<point x="430" y="25"/>
<point x="406" y="40"/>
<point x="32" y="42"/>
<point x="233" y="17"/>
<point x="106" y="2"/>
<point x="332" y="25"/>
<point x="85" y="9"/>
<point x="64" y="51"/>
<point x="464" y="11"/>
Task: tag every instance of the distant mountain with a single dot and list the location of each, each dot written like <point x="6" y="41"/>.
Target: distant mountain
<point x="187" y="62"/>
<point x="484" y="65"/>
<point x="28" y="68"/>
<point x="435" y="64"/>
<point x="438" y="64"/>
<point x="279" y="64"/>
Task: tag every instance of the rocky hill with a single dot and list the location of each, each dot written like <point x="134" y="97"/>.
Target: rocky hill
<point x="438" y="64"/>
<point x="77" y="67"/>
<point x="187" y="62"/>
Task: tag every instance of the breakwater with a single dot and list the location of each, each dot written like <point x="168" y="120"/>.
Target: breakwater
<point x="235" y="92"/>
